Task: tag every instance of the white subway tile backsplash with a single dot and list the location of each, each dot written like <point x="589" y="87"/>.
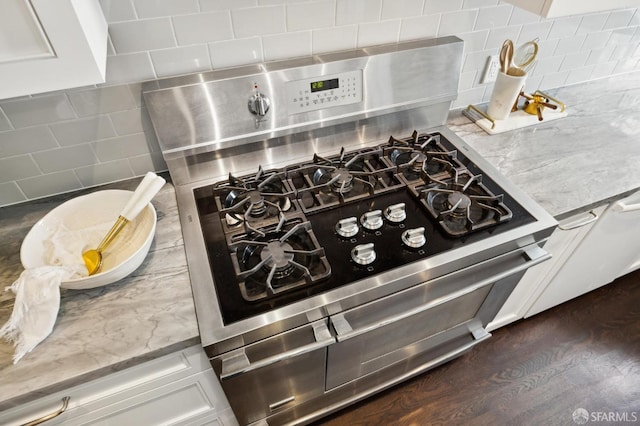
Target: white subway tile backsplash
<point x="203" y="27"/>
<point x="357" y="11"/>
<point x="593" y="22"/>
<point x="65" y="158"/>
<point x="546" y="48"/>
<point x="158" y="8"/>
<point x="121" y="68"/>
<point x="234" y="53"/>
<point x="131" y="121"/>
<point x="10" y="194"/>
<point x="51" y="183"/>
<point x="548" y="65"/>
<point x="121" y="147"/>
<point x="83" y="130"/>
<point x="118" y="10"/>
<point x="142" y="164"/>
<point x="101" y="100"/>
<point x="564" y="27"/>
<point x="457" y="22"/>
<point x="102" y="173"/>
<point x="619" y="18"/>
<point x="440" y="6"/>
<point x="394" y="9"/>
<point x="24" y="141"/>
<point x="537" y="30"/>
<point x="421" y="27"/>
<point x="598" y="56"/>
<point x="38" y="110"/>
<point x="492" y="17"/>
<point x="261" y="20"/>
<point x="378" y="33"/>
<point x="552" y="80"/>
<point x="289" y="45"/>
<point x="181" y="60"/>
<point x="574" y="60"/>
<point x="334" y="39"/>
<point x="474" y="4"/>
<point x="569" y="45"/>
<point x="209" y="5"/>
<point x="521" y="17"/>
<point x="474" y="41"/>
<point x="603" y="69"/>
<point x="4" y="122"/>
<point x="622" y="36"/>
<point x="308" y="16"/>
<point x="138" y="36"/>
<point x="474" y="61"/>
<point x="471" y="96"/>
<point x="497" y="36"/>
<point x="19" y="167"/>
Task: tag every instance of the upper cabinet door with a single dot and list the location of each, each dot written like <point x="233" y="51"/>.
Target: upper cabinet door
<point x="556" y="8"/>
<point x="50" y="45"/>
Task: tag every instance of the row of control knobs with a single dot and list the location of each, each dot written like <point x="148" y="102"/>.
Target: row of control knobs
<point x="364" y="254"/>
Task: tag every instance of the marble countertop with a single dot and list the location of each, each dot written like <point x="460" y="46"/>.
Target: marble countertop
<point x="146" y="315"/>
<point x="574" y="163"/>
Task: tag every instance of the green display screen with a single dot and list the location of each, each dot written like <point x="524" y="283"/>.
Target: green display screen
<point x="318" y="86"/>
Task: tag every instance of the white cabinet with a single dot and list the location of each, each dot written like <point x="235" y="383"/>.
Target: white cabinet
<point x="561" y="244"/>
<point x="589" y="250"/>
<point x="556" y="8"/>
<point x="177" y="389"/>
<point x="609" y="250"/>
<point x="48" y="45"/>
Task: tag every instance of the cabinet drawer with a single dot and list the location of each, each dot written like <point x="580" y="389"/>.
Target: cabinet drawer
<point x="393" y="341"/>
<point x="275" y="373"/>
<point x="184" y="375"/>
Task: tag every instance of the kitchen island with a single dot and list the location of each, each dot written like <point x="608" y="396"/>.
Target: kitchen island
<point x="569" y="165"/>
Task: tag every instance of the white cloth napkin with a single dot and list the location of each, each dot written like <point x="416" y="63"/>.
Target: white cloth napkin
<point x="37" y="289"/>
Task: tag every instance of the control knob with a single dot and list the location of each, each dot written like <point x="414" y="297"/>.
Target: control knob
<point x="363" y="254"/>
<point x="395" y="213"/>
<point x="259" y="104"/>
<point x="347" y="227"/>
<point x="372" y="220"/>
<point x="414" y="238"/>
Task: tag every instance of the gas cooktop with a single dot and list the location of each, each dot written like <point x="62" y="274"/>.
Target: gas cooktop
<point x="277" y="236"/>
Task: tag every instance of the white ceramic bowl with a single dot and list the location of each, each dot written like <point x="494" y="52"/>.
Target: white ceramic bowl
<point x="78" y="216"/>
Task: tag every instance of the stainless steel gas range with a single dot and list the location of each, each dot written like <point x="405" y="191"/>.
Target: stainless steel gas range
<point x="340" y="238"/>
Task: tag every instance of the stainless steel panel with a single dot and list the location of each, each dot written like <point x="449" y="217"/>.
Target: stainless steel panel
<point x="210" y="110"/>
<point x="392" y="342"/>
<point x="273" y="374"/>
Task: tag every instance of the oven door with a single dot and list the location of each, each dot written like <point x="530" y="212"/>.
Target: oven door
<point x="424" y="318"/>
<point x="275" y="373"/>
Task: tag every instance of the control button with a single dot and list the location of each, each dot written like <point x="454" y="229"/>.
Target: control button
<point x="414" y="238"/>
<point x="395" y="213"/>
<point x="372" y="220"/>
<point x="347" y="227"/>
<point x="363" y="254"/>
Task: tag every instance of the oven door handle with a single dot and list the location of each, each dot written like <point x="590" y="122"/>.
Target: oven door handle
<point x="236" y="362"/>
<point x="344" y="331"/>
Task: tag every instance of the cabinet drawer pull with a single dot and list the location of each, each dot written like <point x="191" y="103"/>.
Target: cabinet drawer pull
<point x="592" y="218"/>
<point x="65" y="404"/>
<point x="279" y="404"/>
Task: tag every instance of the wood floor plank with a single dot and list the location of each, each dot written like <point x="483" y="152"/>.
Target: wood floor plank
<point x="584" y="353"/>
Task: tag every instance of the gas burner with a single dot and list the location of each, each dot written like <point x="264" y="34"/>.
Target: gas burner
<point x="260" y="196"/>
<point x="331" y="181"/>
<point x="271" y="260"/>
<point x="463" y="205"/>
<point x="421" y="155"/>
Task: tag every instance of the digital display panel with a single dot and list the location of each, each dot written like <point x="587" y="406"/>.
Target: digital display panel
<point x="318" y="86"/>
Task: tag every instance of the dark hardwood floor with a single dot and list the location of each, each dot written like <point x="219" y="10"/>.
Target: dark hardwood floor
<point x="582" y="354"/>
